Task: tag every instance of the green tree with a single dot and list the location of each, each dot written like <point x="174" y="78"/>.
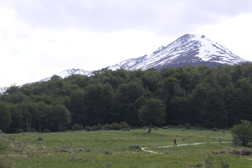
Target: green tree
<point x="5" y="119"/>
<point x="243" y="132"/>
<point x="62" y="116"/>
<point x="152" y="111"/>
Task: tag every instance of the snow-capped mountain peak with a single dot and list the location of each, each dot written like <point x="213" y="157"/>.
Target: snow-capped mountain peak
<point x="193" y="49"/>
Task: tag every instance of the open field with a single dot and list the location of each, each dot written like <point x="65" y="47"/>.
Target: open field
<point x="99" y="149"/>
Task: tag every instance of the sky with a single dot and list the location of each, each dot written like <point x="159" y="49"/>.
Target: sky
<point x="39" y="38"/>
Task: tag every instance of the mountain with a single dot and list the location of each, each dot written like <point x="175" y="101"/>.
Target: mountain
<point x="189" y="49"/>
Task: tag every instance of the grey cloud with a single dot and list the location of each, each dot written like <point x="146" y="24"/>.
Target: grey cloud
<point x="160" y="16"/>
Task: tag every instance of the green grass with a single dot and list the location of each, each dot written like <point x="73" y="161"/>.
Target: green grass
<point x="48" y="152"/>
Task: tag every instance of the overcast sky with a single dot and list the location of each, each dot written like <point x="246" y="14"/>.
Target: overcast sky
<point x="39" y="38"/>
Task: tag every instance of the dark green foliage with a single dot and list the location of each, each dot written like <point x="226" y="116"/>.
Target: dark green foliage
<point x="5" y="116"/>
<point x="77" y="127"/>
<point x="115" y="126"/>
<point x="243" y="132"/>
<point x="187" y="125"/>
<point x="47" y="130"/>
<point x="151" y="112"/>
<point x="202" y="96"/>
<point x="88" y="128"/>
<point x="124" y="124"/>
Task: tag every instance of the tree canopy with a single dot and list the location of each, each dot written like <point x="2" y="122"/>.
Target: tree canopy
<point x="202" y="96"/>
<point x="152" y="111"/>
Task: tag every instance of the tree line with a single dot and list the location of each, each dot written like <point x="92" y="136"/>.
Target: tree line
<point x="202" y="96"/>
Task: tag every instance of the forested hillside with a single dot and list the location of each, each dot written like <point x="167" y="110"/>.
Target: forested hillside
<point x="202" y="96"/>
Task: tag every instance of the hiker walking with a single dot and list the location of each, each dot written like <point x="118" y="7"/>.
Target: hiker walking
<point x="175" y="142"/>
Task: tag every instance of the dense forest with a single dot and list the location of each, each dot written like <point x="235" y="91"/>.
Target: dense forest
<point x="202" y="96"/>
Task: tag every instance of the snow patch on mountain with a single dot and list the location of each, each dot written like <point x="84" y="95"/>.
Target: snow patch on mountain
<point x="189" y="48"/>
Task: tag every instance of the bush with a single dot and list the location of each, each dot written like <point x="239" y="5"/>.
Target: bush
<point x="77" y="127"/>
<point x="134" y="147"/>
<point x="46" y="130"/>
<point x="107" y="126"/>
<point x="115" y="126"/>
<point x="246" y="151"/>
<point x="95" y="128"/>
<point x="88" y="150"/>
<point x="88" y="128"/>
<point x="224" y="161"/>
<point x="215" y="129"/>
<point x="19" y="130"/>
<point x="243" y="132"/>
<point x="40" y="138"/>
<point x="124" y="124"/>
<point x="127" y="129"/>
<point x="108" y="152"/>
<point x="235" y="152"/>
<point x="187" y="125"/>
<point x="209" y="160"/>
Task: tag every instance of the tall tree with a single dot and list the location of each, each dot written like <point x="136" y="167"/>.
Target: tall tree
<point x="5" y="119"/>
<point x="152" y="111"/>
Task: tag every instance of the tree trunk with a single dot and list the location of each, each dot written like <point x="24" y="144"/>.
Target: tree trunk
<point x="150" y="128"/>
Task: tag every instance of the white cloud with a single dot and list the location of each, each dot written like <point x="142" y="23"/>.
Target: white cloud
<point x="40" y="38"/>
<point x="234" y="33"/>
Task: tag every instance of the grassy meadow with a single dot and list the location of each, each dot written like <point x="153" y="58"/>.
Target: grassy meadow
<point x="103" y="149"/>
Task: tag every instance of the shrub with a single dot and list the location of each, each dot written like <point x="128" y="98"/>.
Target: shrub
<point x="246" y="151"/>
<point x="215" y="129"/>
<point x="108" y="152"/>
<point x="88" y="128"/>
<point x="106" y="126"/>
<point x="208" y="159"/>
<point x="40" y="138"/>
<point x="77" y="127"/>
<point x="46" y="130"/>
<point x="243" y="132"/>
<point x="95" y="127"/>
<point x="88" y="150"/>
<point x="134" y="147"/>
<point x="187" y="125"/>
<point x="99" y="126"/>
<point x="64" y="150"/>
<point x="124" y="124"/>
<point x="19" y="130"/>
<point x="235" y="152"/>
<point x="115" y="126"/>
<point x="224" y="161"/>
